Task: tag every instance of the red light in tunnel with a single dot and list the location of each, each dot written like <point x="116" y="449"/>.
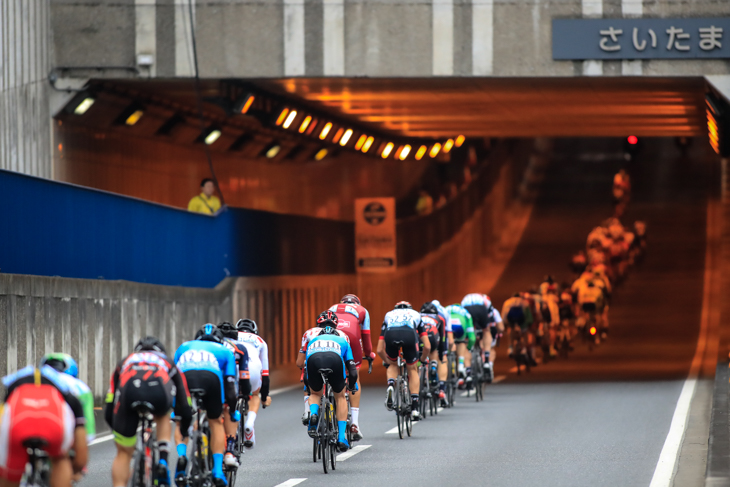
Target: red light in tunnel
<point x="593" y="330"/>
<point x="632" y="139"/>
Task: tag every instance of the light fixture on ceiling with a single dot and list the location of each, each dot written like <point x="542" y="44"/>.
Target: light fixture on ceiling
<point x="282" y="116"/>
<point x="448" y="145"/>
<point x="346" y="137"/>
<point x="320" y="154"/>
<point x="459" y="140"/>
<point x="243" y="104"/>
<point x="360" y="142"/>
<point x="81" y="103"/>
<point x="368" y="143"/>
<point x="325" y="130"/>
<point x="305" y="123"/>
<point x="387" y="150"/>
<point x="210" y="135"/>
<point x="290" y="119"/>
<point x="421" y="152"/>
<point x="130" y="115"/>
<point x="404" y="151"/>
<point x="272" y="150"/>
<point x="435" y="149"/>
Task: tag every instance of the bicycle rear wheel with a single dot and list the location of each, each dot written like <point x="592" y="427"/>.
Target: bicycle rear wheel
<point x="315" y="449"/>
<point x="399" y="409"/>
<point x="137" y="477"/>
<point x="333" y="442"/>
<point x="324" y="436"/>
<point x="405" y="398"/>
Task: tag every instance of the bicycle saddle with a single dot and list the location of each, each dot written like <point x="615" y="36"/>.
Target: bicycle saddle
<point x="398" y="342"/>
<point x="35" y="443"/>
<point x="197" y="392"/>
<point x="325" y="371"/>
<point x="142" y="407"/>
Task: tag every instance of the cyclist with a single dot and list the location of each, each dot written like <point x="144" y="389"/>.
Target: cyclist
<point x="38" y="404"/>
<point x="329" y="350"/>
<point x="435" y="326"/>
<point x="209" y="365"/>
<point x="462" y="327"/>
<point x="487" y="320"/>
<point x="354" y="320"/>
<point x="590" y="300"/>
<point x="146" y="376"/>
<point x="230" y="340"/>
<point x="258" y="367"/>
<point x="518" y="316"/>
<point x="400" y="332"/>
<point x="301" y="356"/>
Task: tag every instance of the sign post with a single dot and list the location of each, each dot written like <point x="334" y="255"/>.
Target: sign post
<point x="375" y="238"/>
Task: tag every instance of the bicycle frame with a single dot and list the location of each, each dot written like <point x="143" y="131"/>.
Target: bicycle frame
<point x="39" y="463"/>
<point x="146" y="455"/>
<point x="325" y="442"/>
<point x="201" y="464"/>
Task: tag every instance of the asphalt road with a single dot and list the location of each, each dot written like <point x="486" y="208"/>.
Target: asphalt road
<point x="598" y="418"/>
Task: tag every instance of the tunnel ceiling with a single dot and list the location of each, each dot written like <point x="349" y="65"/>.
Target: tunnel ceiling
<point x="512" y="107"/>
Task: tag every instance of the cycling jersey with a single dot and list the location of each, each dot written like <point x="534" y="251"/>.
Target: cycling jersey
<point x="400" y="331"/>
<point x="590" y="294"/>
<point x="81" y="391"/>
<point x="354" y="320"/>
<point x="208" y="356"/>
<point x="403" y="318"/>
<point x="475" y="299"/>
<point x="328" y="352"/>
<point x="462" y="325"/>
<point x="258" y="361"/>
<point x="148" y="378"/>
<point x="443" y="314"/>
<point x="241" y="353"/>
<point x="46" y="376"/>
<point x="435" y="327"/>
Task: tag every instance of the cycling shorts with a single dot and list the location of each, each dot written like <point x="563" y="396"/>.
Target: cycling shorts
<point x="33" y="412"/>
<point x="434" y="339"/>
<point x="212" y="401"/>
<point x="402" y="337"/>
<point x="516" y="317"/>
<point x="326" y="360"/>
<point x="151" y="393"/>
<point x="589" y="307"/>
<point x="254" y="371"/>
<point x="479" y="315"/>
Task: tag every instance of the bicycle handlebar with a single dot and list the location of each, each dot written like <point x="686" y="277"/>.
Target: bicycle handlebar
<point x="370" y="366"/>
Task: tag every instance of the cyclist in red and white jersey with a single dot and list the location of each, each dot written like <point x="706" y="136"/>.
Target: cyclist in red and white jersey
<point x="258" y="368"/>
<point x="354" y="321"/>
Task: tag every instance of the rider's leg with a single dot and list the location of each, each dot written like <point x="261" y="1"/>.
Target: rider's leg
<point x="120" y="465"/>
<point x="253" y="408"/>
<point x="217" y="445"/>
<point x="61" y="472"/>
<point x="164" y="435"/>
<point x="414" y="384"/>
<point x="342" y="418"/>
<point x="355" y="403"/>
<point x="433" y="358"/>
<point x="315" y="398"/>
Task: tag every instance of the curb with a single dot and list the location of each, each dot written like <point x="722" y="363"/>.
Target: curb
<point x="718" y="451"/>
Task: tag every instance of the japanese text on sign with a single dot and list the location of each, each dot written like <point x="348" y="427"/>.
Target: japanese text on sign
<point x="699" y="38"/>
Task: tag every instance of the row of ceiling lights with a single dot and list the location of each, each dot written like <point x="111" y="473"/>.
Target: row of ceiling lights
<point x="291" y="119"/>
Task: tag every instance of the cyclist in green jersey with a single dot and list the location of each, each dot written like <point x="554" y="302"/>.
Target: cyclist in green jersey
<point x="462" y="326"/>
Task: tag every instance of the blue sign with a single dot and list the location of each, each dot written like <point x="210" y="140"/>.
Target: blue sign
<point x="699" y="38"/>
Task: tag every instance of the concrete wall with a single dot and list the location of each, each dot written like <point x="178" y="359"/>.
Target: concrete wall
<point x="275" y="38"/>
<point x="100" y="321"/>
<point x="25" y="122"/>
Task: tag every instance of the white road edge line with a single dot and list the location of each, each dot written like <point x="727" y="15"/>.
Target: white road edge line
<point x="350" y="453"/>
<point x="664" y="472"/>
<point x="290" y="483"/>
<point x="392" y="431"/>
<point x="101" y="439"/>
<point x="285" y="389"/>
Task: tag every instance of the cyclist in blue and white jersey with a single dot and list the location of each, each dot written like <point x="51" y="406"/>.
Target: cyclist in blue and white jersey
<point x="401" y="330"/>
<point x="207" y="364"/>
<point x="329" y="350"/>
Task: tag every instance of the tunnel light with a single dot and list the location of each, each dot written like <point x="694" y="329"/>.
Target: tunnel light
<point x="421" y="152"/>
<point x="360" y="142"/>
<point x="435" y="150"/>
<point x="321" y="154"/>
<point x="290" y="119"/>
<point x="404" y="152"/>
<point x="273" y="150"/>
<point x="312" y="126"/>
<point x="305" y="123"/>
<point x="448" y="145"/>
<point x="134" y="117"/>
<point x="337" y="136"/>
<point x="368" y="144"/>
<point x="282" y="116"/>
<point x="459" y="140"/>
<point x="243" y="104"/>
<point x="325" y="130"/>
<point x="84" y="105"/>
<point x="387" y="150"/>
<point x="212" y="136"/>
<point x="632" y="139"/>
<point x="346" y="137"/>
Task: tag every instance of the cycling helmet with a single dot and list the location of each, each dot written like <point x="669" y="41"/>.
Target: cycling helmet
<point x="350" y="299"/>
<point x="228" y="330"/>
<point x="327" y="318"/>
<point x="209" y="333"/>
<point x="247" y="325"/>
<point x="62" y="362"/>
<point x="328" y="330"/>
<point x="403" y="305"/>
<point x="429" y="308"/>
<point x="487" y="301"/>
<point x="151" y="344"/>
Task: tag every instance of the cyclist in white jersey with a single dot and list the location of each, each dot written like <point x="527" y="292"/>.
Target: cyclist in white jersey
<point x="258" y="367"/>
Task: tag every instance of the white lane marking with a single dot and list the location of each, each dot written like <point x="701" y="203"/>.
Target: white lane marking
<point x="392" y="431"/>
<point x="101" y="439"/>
<point x="290" y="483"/>
<point x="439" y="409"/>
<point x="354" y="451"/>
<point x="285" y="389"/>
<point x="664" y="471"/>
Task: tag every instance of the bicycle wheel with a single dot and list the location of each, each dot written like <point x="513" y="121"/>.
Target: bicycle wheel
<point x="231" y="476"/>
<point x="325" y="433"/>
<point x="315" y="449"/>
<point x="333" y="441"/>
<point x="405" y="397"/>
<point x="399" y="409"/>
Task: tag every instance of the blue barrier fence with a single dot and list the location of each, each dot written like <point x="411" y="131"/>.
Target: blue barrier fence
<point x="56" y="229"/>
